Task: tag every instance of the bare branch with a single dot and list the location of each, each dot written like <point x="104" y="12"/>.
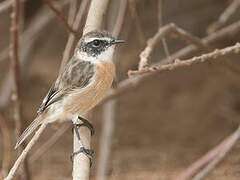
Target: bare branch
<point x="224" y="17"/>
<point x="170" y="28"/>
<point x="5" y="5"/>
<point x="71" y="38"/>
<point x="160" y="23"/>
<point x="27" y="42"/>
<point x="49" y="143"/>
<point x="211" y="158"/>
<point x="25" y="152"/>
<point x="81" y="166"/>
<point x="95" y="16"/>
<point x="61" y="17"/>
<point x="6" y="144"/>
<point x="130" y="84"/>
<point x="109" y="110"/>
<point x="135" y="17"/>
<point x="181" y="63"/>
<point x="13" y="53"/>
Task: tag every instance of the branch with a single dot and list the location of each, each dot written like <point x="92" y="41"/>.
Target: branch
<point x="6" y="147"/>
<point x="160" y="23"/>
<point x="181" y="63"/>
<point x="81" y="166"/>
<point x="210" y="159"/>
<point x="25" y="152"/>
<point x="135" y="18"/>
<point x="224" y="17"/>
<point x="13" y="53"/>
<point x="163" y="31"/>
<point x="71" y="38"/>
<point x="109" y="109"/>
<point x="5" y="5"/>
<point x="49" y="143"/>
<point x="130" y="84"/>
<point x="27" y="42"/>
<point x="61" y="17"/>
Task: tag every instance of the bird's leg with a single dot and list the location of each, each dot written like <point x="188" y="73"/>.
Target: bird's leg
<point x="76" y="125"/>
<point x="86" y="123"/>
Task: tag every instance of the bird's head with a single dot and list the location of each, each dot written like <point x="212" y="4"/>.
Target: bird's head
<point x="96" y="45"/>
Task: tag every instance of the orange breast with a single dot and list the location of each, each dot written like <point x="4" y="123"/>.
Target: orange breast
<point x="85" y="99"/>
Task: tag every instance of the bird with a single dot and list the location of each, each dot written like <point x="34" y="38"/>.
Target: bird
<point x="81" y="85"/>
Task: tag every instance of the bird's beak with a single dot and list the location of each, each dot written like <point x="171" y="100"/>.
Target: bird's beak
<point x="116" y="41"/>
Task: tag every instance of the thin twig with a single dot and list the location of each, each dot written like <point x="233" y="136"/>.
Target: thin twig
<point x="181" y="63"/>
<point x="61" y="17"/>
<point x="130" y="84"/>
<point x="109" y="110"/>
<point x="160" y="23"/>
<point x="135" y="18"/>
<point x="27" y="42"/>
<point x="13" y="53"/>
<point x="163" y="31"/>
<point x="71" y="38"/>
<point x="213" y="156"/>
<point x="224" y="17"/>
<point x="49" y="143"/>
<point x="15" y="66"/>
<point x="25" y="152"/>
<point x="5" y="5"/>
<point x="6" y="147"/>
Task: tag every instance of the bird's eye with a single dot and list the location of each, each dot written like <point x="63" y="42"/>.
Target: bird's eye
<point x="96" y="43"/>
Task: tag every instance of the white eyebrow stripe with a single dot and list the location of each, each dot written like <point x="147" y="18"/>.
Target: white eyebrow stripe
<point x="95" y="38"/>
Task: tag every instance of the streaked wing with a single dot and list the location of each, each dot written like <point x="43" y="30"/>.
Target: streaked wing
<point x="76" y="75"/>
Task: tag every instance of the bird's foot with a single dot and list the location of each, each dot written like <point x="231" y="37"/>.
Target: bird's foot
<point x="76" y="125"/>
<point x="87" y="152"/>
<point x="86" y="123"/>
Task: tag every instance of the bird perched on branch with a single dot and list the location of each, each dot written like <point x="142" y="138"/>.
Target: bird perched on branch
<point x="81" y="85"/>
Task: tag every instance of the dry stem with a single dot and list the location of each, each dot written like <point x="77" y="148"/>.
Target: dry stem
<point x="61" y="17"/>
<point x="109" y="109"/>
<point x="81" y="166"/>
<point x="49" y="143"/>
<point x="210" y="159"/>
<point x="71" y="38"/>
<point x="27" y="42"/>
<point x="13" y="53"/>
<point x="180" y="63"/>
<point x="25" y="152"/>
<point x="163" y="31"/>
<point x="160" y="23"/>
<point x="6" y="144"/>
<point x="136" y="20"/>
<point x="5" y="5"/>
<point x="224" y="17"/>
<point x="130" y="84"/>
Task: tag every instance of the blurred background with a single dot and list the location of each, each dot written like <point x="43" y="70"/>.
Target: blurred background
<point x="161" y="127"/>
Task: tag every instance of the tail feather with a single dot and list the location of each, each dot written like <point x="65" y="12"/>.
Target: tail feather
<point x="28" y="131"/>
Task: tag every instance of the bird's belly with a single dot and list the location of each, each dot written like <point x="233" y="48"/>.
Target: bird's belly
<point x="81" y="101"/>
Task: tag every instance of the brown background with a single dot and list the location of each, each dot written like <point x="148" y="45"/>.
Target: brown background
<point x="163" y="126"/>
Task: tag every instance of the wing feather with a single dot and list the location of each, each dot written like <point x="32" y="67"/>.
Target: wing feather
<point x="76" y="75"/>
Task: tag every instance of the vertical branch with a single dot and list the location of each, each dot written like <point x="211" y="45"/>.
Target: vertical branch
<point x="95" y="16"/>
<point x="14" y="56"/>
<point x="109" y="110"/>
<point x="135" y="17"/>
<point x="5" y="146"/>
<point x="15" y="66"/>
<point x="81" y="166"/>
<point x="71" y="38"/>
<point x="160" y="23"/>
